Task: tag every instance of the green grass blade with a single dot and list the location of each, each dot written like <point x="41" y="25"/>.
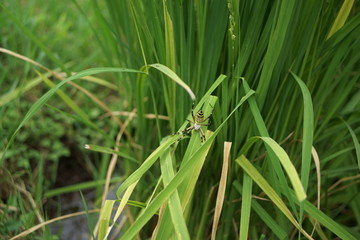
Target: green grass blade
<point x="341" y="17"/>
<point x="138" y="173"/>
<point x="245" y="207"/>
<point x="107" y="150"/>
<point x="79" y="187"/>
<point x="169" y="39"/>
<point x="124" y="201"/>
<point x="280" y="25"/>
<point x="105" y="216"/>
<point x="204" y="217"/>
<point x="67" y="100"/>
<point x="168" y="72"/>
<point x="137" y="32"/>
<point x="264" y="215"/>
<point x="355" y="141"/>
<point x="288" y="166"/>
<point x="133" y="203"/>
<point x="264" y="185"/>
<point x="308" y="132"/>
<point x="100" y="82"/>
<point x="276" y="166"/>
<point x="165" y="194"/>
<point x="87" y="215"/>
<point x="327" y="221"/>
<point x="176" y="212"/>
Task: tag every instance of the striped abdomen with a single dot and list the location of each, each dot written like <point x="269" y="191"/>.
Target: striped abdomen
<point x="199" y="117"/>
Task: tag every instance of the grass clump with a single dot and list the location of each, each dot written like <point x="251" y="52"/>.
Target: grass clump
<point x="281" y="158"/>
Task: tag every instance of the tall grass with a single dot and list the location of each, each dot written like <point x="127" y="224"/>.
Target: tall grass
<point x="288" y="101"/>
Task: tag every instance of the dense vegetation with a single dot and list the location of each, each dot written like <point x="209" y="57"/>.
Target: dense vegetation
<point x="92" y="92"/>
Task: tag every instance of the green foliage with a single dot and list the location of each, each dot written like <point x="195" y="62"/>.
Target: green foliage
<point x="39" y="140"/>
<point x="292" y="81"/>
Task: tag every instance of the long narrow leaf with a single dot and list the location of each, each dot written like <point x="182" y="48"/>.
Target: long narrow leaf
<point x="327" y="221"/>
<point x="105" y="216"/>
<point x="264" y="185"/>
<point x="245" y="207"/>
<point x="264" y="215"/>
<point x="167" y="71"/>
<point x="288" y="166"/>
<point x="355" y="141"/>
<point x="176" y="211"/>
<point x="308" y="132"/>
<point x="341" y="17"/>
<point x="165" y="194"/>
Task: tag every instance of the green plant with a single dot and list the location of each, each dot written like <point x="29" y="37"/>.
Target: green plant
<point x="292" y="83"/>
